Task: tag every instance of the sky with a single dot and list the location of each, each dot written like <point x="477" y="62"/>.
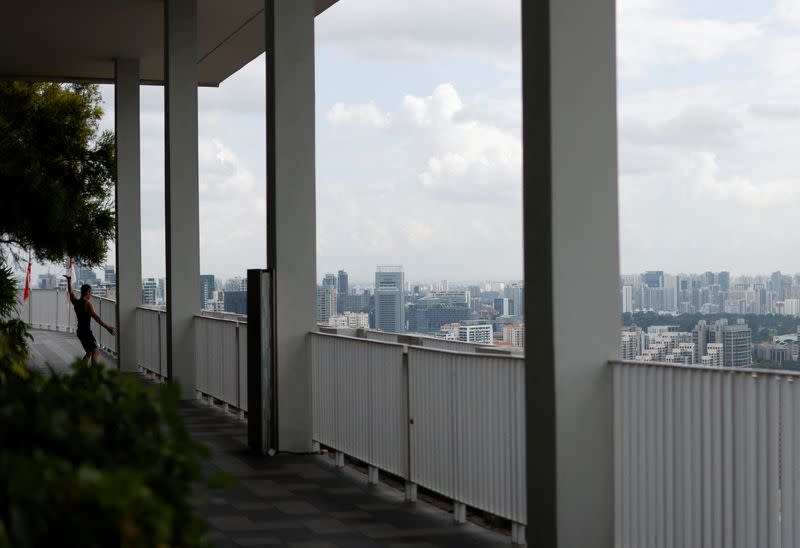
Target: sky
<point x="419" y="151"/>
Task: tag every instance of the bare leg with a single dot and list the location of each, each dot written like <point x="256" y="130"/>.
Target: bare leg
<point x="95" y="356"/>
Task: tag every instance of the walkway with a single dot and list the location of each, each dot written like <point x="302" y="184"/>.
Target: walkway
<point x="295" y="500"/>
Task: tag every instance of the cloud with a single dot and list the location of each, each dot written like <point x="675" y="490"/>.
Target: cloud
<point x="648" y="35"/>
<point x="365" y="114"/>
<point x="420" y="31"/>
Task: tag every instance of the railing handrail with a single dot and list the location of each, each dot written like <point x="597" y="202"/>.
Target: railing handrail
<point x="242" y="320"/>
<point x="418" y="347"/>
<point x="711" y="368"/>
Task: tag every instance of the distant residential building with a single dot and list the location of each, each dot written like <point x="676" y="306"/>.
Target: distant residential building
<point x="330" y="280"/>
<point x="162" y="291"/>
<point x="627" y="299"/>
<point x="516" y="293"/>
<point x="773" y="352"/>
<point x="353" y="320"/>
<point x="149" y="291"/>
<point x="791" y="307"/>
<point x="449" y="332"/>
<point x="84" y="275"/>
<point x="714" y="355"/>
<point x="236" y="302"/>
<point x="326" y="303"/>
<point x="207" y="288"/>
<point x="514" y="334"/>
<point x="217" y="302"/>
<point x="110" y="274"/>
<point x="476" y="333"/>
<point x="631" y="343"/>
<point x="737" y="341"/>
<point x="390" y="299"/>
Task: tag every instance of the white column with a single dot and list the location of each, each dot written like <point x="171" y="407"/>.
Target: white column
<point x="291" y="209"/>
<point x="181" y="189"/>
<point x="127" y="202"/>
<point x="571" y="268"/>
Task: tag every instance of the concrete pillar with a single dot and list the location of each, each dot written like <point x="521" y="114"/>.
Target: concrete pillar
<point x="571" y="268"/>
<point x="291" y="209"/>
<point x="181" y="189"/>
<point x="127" y="201"/>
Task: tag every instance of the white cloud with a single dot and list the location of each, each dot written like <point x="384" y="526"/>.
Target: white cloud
<point x="364" y="114"/>
<point x="648" y="35"/>
<point x="789" y="10"/>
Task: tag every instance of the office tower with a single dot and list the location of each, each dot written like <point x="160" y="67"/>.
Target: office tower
<point x="207" y="287"/>
<point x="326" y="303"/>
<point x="776" y="281"/>
<point x="343" y="283"/>
<point x="236" y="302"/>
<point x="110" y="275"/>
<point x="84" y="275"/>
<point x="235" y="284"/>
<point x="162" y="291"/>
<point x="724" y="281"/>
<point x="390" y="299"/>
<point x="149" y="291"/>
<point x="429" y="313"/>
<point x="627" y="299"/>
<point x="504" y="306"/>
<point x="476" y="333"/>
<point x="654" y="278"/>
<point x="48" y="281"/>
<point x="516" y="292"/>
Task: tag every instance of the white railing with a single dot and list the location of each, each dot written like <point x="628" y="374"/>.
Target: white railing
<point x="151" y="341"/>
<point x="706" y="456"/>
<point x="50" y="309"/>
<point x="450" y="422"/>
<point x="221" y="361"/>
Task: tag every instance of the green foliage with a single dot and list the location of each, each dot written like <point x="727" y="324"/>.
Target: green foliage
<point x="764" y="327"/>
<point x="56" y="171"/>
<point x="8" y="290"/>
<point x="789" y="365"/>
<point x="94" y="459"/>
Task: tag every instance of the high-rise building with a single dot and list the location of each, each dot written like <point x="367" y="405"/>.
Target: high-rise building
<point x="504" y="306"/>
<point x="390" y="299"/>
<point x="149" y="291"/>
<point x="724" y="281"/>
<point x="353" y="320"/>
<point x="654" y="278"/>
<point x="236" y="302"/>
<point x="326" y="303"/>
<point x="514" y="333"/>
<point x="627" y="299"/>
<point x="329" y="280"/>
<point x="235" y="284"/>
<point x="516" y="292"/>
<point x="480" y="333"/>
<point x="85" y="276"/>
<point x="207" y="288"/>
<point x="162" y="290"/>
<point x="631" y="343"/>
<point x="110" y="275"/>
<point x="343" y="283"/>
<point x="737" y="345"/>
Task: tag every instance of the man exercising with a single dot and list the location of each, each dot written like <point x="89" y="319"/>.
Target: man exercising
<point x="85" y="312"/>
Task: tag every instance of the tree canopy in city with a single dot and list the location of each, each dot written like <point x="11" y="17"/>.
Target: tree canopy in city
<point x="56" y="172"/>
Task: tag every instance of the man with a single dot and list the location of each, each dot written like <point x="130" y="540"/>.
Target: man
<point x="85" y="312"/>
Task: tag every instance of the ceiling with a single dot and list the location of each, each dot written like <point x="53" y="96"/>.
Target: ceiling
<point x="78" y="40"/>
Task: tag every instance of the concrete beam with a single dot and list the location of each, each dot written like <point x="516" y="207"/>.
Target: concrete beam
<point x="291" y="209"/>
<point x="571" y="233"/>
<point x="127" y="201"/>
<point x="181" y="190"/>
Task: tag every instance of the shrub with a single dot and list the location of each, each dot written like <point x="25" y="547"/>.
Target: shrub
<point x="94" y="458"/>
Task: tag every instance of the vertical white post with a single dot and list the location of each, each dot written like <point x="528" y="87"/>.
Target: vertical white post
<point x="181" y="189"/>
<point x="571" y="231"/>
<point x="291" y="213"/>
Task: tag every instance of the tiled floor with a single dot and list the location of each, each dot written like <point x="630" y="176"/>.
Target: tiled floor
<point x="300" y="501"/>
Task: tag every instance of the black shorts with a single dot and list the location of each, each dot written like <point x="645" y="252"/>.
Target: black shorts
<point x="88" y="341"/>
